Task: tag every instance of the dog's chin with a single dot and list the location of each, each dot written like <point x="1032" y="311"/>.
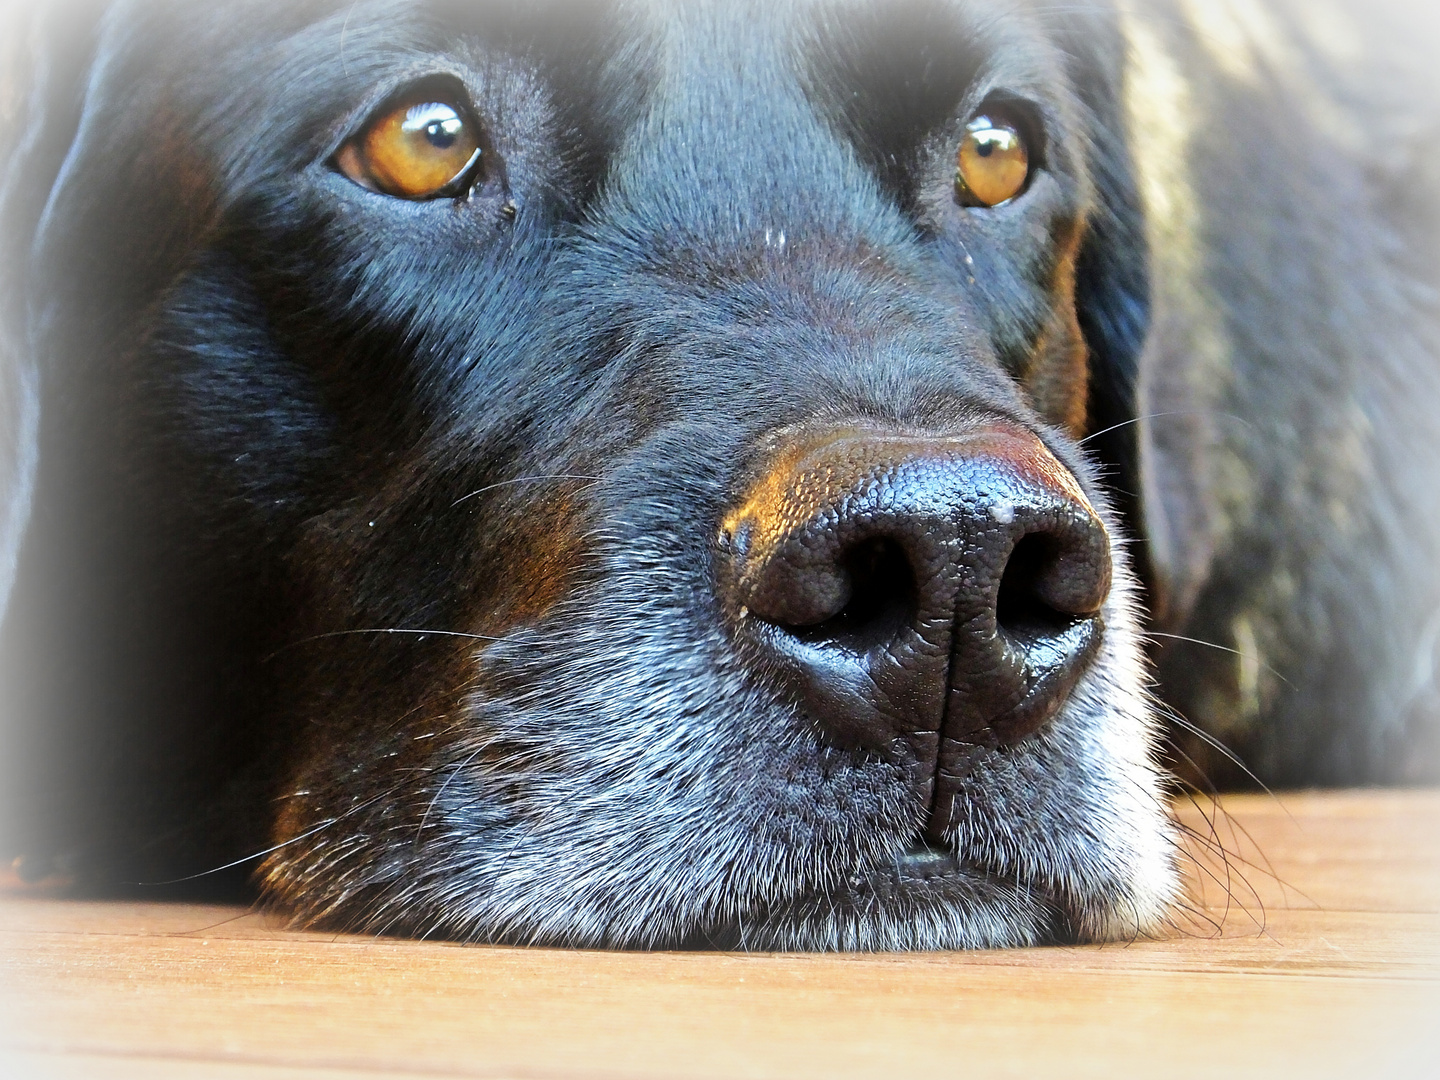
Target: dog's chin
<point x="922" y="900"/>
<point x="920" y="897"/>
<point x="928" y="899"/>
<point x="931" y="899"/>
<point x="925" y="898"/>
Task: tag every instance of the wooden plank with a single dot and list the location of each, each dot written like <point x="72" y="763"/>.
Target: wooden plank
<point x="1350" y="986"/>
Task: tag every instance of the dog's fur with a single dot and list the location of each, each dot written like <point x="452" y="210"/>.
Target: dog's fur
<point x="378" y="536"/>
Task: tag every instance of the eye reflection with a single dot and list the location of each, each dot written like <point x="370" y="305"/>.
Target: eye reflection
<point x="440" y="124"/>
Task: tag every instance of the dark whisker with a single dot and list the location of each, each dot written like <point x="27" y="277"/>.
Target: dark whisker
<point x="455" y="770"/>
<point x="1188" y="725"/>
<point x="1216" y="745"/>
<point x="1265" y="865"/>
<point x="1228" y="884"/>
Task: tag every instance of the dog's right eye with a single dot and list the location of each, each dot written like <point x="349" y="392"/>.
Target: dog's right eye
<point x="416" y="149"/>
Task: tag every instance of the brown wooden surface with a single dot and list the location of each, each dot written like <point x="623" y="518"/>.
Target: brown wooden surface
<point x="1327" y="964"/>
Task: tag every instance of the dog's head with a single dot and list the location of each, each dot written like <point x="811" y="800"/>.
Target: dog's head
<point x="610" y="474"/>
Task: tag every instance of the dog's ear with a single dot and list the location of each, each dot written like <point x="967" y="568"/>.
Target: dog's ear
<point x="45" y="55"/>
<point x="1142" y="425"/>
<point x="45" y="51"/>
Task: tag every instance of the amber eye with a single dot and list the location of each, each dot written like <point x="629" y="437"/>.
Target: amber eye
<point x="992" y="164"/>
<point x="416" y="150"/>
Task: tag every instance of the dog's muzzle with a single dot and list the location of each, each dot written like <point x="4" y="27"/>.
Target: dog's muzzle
<point x="931" y="597"/>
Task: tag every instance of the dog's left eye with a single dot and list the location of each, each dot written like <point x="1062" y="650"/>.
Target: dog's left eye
<point x="417" y="149"/>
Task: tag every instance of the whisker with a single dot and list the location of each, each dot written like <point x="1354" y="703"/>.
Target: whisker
<point x="1211" y="843"/>
<point x="1189" y="725"/>
<point x="1194" y="915"/>
<point x="1215" y="744"/>
<point x="1158" y="415"/>
<point x="1222" y="648"/>
<point x="247" y="913"/>
<point x="1265" y="866"/>
<point x="1219" y="848"/>
<point x="271" y="850"/>
<point x="455" y="771"/>
<point x="1230" y="856"/>
<point x="524" y="480"/>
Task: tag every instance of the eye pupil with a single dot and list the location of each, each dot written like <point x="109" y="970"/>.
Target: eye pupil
<point x="442" y="135"/>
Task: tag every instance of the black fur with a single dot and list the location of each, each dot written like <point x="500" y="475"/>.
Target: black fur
<point x="377" y="537"/>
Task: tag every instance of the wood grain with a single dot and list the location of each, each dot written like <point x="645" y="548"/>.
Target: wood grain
<point x="1322" y="960"/>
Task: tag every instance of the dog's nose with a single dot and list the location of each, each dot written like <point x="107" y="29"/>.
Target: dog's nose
<point x="914" y="587"/>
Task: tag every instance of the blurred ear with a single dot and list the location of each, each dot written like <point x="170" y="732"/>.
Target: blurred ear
<point x="19" y="433"/>
<point x="1136" y="309"/>
<point x="45" y="54"/>
<point x="1183" y="366"/>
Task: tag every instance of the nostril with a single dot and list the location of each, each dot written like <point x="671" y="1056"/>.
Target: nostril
<point x="1056" y="575"/>
<point x="1022" y="606"/>
<point x="879" y="601"/>
<point x="1047" y="615"/>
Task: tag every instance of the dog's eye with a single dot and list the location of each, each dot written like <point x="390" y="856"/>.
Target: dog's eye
<point x="414" y="150"/>
<point x="992" y="164"/>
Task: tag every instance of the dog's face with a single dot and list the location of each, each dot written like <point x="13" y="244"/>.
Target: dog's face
<point x="618" y="468"/>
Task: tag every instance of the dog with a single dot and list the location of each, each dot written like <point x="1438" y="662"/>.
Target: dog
<point x="710" y="474"/>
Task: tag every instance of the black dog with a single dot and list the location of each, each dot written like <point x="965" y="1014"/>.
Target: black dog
<point x="644" y="474"/>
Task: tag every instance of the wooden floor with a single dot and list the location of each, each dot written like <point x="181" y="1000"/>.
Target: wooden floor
<point x="1327" y="964"/>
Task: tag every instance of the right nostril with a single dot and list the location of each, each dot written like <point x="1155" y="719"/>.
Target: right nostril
<point x="881" y="600"/>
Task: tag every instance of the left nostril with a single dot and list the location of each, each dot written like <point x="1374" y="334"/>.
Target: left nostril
<point x="1019" y="597"/>
<point x="1047" y="620"/>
